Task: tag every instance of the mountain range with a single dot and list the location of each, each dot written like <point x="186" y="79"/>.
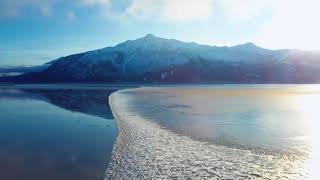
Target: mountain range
<point x="155" y="59"/>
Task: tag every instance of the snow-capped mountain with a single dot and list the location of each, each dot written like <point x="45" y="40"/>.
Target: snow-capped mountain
<point x="155" y="59"/>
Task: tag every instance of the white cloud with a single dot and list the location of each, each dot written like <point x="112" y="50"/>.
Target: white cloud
<point x="242" y="11"/>
<point x="163" y="10"/>
<point x="95" y="2"/>
<point x="234" y="11"/>
<point x="11" y="8"/>
<point x="106" y="8"/>
<point x="171" y="10"/>
<point x="294" y="24"/>
<point x="143" y="9"/>
<point x="186" y="10"/>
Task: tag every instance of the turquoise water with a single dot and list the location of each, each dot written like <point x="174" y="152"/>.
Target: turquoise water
<point x="55" y="133"/>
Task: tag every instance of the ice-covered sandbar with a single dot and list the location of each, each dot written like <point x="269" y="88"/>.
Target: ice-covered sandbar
<point x="242" y="144"/>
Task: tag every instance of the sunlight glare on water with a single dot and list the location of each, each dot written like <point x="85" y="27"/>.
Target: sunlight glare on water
<point x="226" y="131"/>
<point x="310" y="106"/>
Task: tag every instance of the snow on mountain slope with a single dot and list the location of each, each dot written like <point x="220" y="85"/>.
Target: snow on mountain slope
<point x="150" y="52"/>
<point x="152" y="58"/>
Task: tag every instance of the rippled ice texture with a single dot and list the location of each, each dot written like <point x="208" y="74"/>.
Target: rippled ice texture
<point x="144" y="149"/>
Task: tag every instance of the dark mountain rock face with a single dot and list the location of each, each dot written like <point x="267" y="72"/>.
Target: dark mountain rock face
<point x="154" y="59"/>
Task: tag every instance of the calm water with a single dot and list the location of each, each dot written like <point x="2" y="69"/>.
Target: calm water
<point x="222" y="131"/>
<point x="55" y="133"/>
<point x="274" y="118"/>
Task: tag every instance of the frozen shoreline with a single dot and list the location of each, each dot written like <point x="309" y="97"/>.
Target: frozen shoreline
<point x="144" y="149"/>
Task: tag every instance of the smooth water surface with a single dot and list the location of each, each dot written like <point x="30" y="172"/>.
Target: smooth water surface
<point x="275" y="118"/>
<point x="55" y="133"/>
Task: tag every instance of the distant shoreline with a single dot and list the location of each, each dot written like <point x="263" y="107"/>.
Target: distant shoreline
<point x="135" y="84"/>
<point x="121" y="85"/>
<point x="67" y="86"/>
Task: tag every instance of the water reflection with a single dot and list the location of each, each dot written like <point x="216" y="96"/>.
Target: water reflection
<point x="264" y="118"/>
<point x="88" y="101"/>
<point x="218" y="132"/>
<point x="55" y="134"/>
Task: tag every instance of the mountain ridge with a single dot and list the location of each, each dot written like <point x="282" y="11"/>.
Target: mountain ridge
<point x="154" y="59"/>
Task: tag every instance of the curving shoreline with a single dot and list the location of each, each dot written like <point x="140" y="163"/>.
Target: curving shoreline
<point x="144" y="149"/>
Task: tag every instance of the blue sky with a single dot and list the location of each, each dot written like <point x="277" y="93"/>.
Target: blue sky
<point x="37" y="31"/>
